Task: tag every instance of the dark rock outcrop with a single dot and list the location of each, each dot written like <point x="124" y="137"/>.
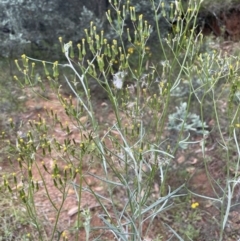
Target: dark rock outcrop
<point x="30" y="26"/>
<point x="33" y="26"/>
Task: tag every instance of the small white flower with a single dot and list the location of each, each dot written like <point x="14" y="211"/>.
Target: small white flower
<point x="66" y="48"/>
<point x="118" y="79"/>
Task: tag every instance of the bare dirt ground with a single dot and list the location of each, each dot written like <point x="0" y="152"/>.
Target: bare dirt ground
<point x="188" y="167"/>
<point x="224" y="23"/>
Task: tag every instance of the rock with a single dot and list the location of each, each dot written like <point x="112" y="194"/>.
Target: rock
<point x="33" y="26"/>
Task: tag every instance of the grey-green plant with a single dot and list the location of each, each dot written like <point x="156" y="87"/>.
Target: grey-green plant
<point x="191" y="121"/>
<point x="141" y="93"/>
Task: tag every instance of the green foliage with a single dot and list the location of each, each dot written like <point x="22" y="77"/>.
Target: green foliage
<point x="130" y="152"/>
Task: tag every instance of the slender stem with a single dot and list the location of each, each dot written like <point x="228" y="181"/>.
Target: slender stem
<point x="64" y="195"/>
